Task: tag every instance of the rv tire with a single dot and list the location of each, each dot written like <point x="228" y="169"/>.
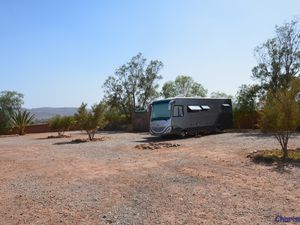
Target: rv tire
<point x="182" y="134"/>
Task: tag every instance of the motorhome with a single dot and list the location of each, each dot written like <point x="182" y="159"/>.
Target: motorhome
<point x="190" y="116"/>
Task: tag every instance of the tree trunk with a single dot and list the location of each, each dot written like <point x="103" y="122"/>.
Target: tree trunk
<point x="21" y="130"/>
<point x="91" y="135"/>
<point x="285" y="150"/>
<point x="88" y="133"/>
<point x="283" y="139"/>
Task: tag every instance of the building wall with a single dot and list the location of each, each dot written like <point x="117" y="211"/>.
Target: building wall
<point x="141" y="121"/>
<point x="247" y="121"/>
<point x="37" y="128"/>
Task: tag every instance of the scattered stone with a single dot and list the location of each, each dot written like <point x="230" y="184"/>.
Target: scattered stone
<point x="155" y="146"/>
<point x="58" y="136"/>
<point x="84" y="140"/>
<point x="78" y="140"/>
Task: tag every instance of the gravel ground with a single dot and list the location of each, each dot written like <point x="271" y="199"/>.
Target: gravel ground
<point x="203" y="180"/>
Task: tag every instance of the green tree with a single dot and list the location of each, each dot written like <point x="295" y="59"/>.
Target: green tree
<point x="245" y="106"/>
<point x="91" y="120"/>
<point x="280" y="115"/>
<point x="113" y="115"/>
<point x="10" y="102"/>
<point x="134" y="85"/>
<point x="246" y="98"/>
<point x="183" y="86"/>
<point x="20" y="120"/>
<point x="61" y="124"/>
<point x="278" y="58"/>
<point x="219" y="94"/>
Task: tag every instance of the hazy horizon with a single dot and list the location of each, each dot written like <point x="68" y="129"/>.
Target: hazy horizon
<point x="59" y="53"/>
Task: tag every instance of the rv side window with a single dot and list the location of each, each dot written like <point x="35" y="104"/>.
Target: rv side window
<point x="225" y="105"/>
<point x="194" y="108"/>
<point x="178" y="111"/>
<point x="205" y="107"/>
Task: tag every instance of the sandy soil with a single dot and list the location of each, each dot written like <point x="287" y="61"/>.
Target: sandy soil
<point x="205" y="180"/>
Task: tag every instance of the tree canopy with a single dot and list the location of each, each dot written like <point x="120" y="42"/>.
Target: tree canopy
<point x="134" y="85"/>
<point x="10" y="102"/>
<point x="246" y="98"/>
<point x="278" y="58"/>
<point x="183" y="86"/>
<point x="280" y="115"/>
<point x="219" y="94"/>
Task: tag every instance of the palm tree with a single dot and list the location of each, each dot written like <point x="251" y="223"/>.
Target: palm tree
<point x="21" y="119"/>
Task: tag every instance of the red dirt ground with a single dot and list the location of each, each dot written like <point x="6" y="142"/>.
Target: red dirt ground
<point x="205" y="180"/>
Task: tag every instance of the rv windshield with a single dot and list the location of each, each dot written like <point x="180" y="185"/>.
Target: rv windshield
<point x="160" y="111"/>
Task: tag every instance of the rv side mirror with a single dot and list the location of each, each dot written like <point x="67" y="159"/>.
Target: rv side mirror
<point x="170" y="105"/>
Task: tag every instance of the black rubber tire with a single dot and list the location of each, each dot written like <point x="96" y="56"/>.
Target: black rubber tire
<point x="182" y="134"/>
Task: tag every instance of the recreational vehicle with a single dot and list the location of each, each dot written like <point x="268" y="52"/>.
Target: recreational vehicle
<point x="182" y="116"/>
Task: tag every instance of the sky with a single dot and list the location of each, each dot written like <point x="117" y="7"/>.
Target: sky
<point x="58" y="53"/>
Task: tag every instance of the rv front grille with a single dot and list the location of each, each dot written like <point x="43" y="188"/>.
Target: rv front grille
<point x="158" y="129"/>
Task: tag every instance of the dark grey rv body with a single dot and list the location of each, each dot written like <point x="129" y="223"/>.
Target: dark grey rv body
<point x="190" y="116"/>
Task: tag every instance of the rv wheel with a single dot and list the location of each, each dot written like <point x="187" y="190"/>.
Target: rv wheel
<point x="182" y="134"/>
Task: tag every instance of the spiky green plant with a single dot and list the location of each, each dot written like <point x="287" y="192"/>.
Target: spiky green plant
<point x="20" y="120"/>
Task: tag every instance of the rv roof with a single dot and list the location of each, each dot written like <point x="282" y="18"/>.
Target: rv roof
<point x="174" y="98"/>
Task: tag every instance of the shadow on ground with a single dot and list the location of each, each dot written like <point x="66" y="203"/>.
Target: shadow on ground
<point x="276" y="164"/>
<point x="254" y="134"/>
<point x="68" y="143"/>
<point x="258" y="134"/>
<point x="154" y="139"/>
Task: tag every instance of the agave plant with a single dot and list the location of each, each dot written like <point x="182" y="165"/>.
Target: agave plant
<point x="21" y="119"/>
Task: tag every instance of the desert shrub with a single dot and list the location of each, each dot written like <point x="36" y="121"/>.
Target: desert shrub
<point x="91" y="120"/>
<point x="280" y="115"/>
<point x="61" y="124"/>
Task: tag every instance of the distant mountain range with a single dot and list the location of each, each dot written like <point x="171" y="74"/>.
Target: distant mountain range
<point x="45" y="113"/>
